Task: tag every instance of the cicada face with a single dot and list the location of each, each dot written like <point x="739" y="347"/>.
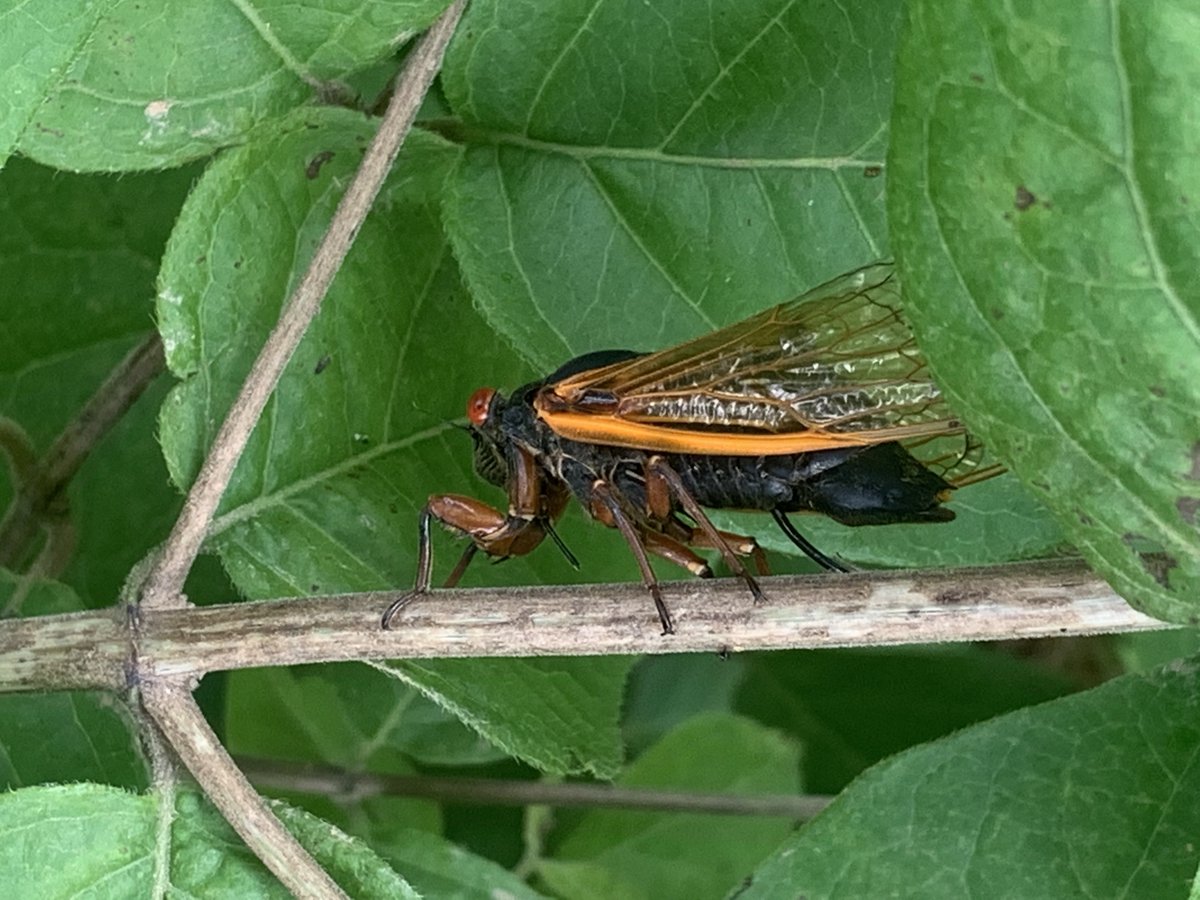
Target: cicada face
<point x="489" y="458"/>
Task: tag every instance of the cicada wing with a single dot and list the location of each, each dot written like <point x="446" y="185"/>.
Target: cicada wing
<point x="960" y="459"/>
<point x="836" y="366"/>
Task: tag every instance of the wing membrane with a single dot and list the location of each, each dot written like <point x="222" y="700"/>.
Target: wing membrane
<point x="837" y="366"/>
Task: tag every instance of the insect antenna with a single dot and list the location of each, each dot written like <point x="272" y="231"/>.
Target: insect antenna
<point x="810" y="549"/>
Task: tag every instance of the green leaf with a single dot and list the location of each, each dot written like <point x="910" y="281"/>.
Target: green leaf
<point x="152" y="85"/>
<point x="68" y="736"/>
<point x="38" y="41"/>
<point x="84" y="839"/>
<point x="637" y="175"/>
<point x="352" y="718"/>
<point x="437" y="868"/>
<point x="852" y="708"/>
<point x="34" y="596"/>
<point x="64" y="840"/>
<point x="64" y="736"/>
<point x="345" y="715"/>
<point x="1085" y="796"/>
<point x="666" y="691"/>
<point x="631" y="854"/>
<point x="327" y="495"/>
<point x="1145" y="650"/>
<point x="1046" y="227"/>
<point x="560" y="715"/>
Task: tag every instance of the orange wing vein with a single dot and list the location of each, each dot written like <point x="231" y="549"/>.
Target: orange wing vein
<point x="835" y="367"/>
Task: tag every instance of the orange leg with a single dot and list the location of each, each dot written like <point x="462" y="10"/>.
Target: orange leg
<point x="673" y="551"/>
<point x="740" y="544"/>
<point x="490" y="530"/>
<point x="532" y="504"/>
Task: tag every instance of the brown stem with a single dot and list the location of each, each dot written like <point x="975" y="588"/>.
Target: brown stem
<point x="168" y="699"/>
<point x="44" y="483"/>
<point x="88" y="650"/>
<point x="165" y="580"/>
<point x="177" y="714"/>
<point x="333" y="782"/>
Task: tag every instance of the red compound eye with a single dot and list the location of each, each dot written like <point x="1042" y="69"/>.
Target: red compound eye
<point x="478" y="405"/>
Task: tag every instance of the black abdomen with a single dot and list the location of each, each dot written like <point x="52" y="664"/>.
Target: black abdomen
<point x="875" y="485"/>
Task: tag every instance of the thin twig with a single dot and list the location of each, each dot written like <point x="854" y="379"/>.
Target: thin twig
<point x="340" y="784"/>
<point x="44" y="484"/>
<point x="183" y="724"/>
<point x="169" y="700"/>
<point x="165" y="581"/>
<point x="1047" y="599"/>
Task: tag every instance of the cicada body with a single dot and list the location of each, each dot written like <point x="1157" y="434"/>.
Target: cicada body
<point x="823" y="404"/>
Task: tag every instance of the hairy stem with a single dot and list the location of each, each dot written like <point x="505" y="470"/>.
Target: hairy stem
<point x="165" y="581"/>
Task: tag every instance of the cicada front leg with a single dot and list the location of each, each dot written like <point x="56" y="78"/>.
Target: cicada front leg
<point x="499" y="535"/>
<point x="496" y="534"/>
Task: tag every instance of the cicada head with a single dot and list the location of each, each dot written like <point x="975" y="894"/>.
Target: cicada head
<point x="489" y="454"/>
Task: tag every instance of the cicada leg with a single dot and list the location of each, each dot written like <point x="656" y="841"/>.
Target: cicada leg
<point x="740" y="544"/>
<point x="676" y="552"/>
<point x="658" y="469"/>
<point x="531" y="507"/>
<point x="606" y="508"/>
<point x="490" y="530"/>
<point x="810" y="549"/>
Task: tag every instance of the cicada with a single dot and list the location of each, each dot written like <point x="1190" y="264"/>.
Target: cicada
<point x="823" y="404"/>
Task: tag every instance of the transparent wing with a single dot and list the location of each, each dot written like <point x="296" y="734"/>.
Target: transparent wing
<point x="836" y="366"/>
<point x="960" y="459"/>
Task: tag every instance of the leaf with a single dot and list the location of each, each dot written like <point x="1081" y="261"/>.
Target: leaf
<point x="852" y="708"/>
<point x="345" y="715"/>
<point x="38" y="40"/>
<point x="153" y="85"/>
<point x="327" y="495"/>
<point x="34" y="596"/>
<point x="1145" y="650"/>
<point x="560" y="715"/>
<point x="712" y="166"/>
<point x="1082" y="796"/>
<point x="68" y="736"/>
<point x="626" y="853"/>
<point x="1046" y="229"/>
<point x="70" y="840"/>
<point x="437" y="868"/>
<point x="64" y="736"/>
<point x="666" y="691"/>
<point x="717" y="163"/>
